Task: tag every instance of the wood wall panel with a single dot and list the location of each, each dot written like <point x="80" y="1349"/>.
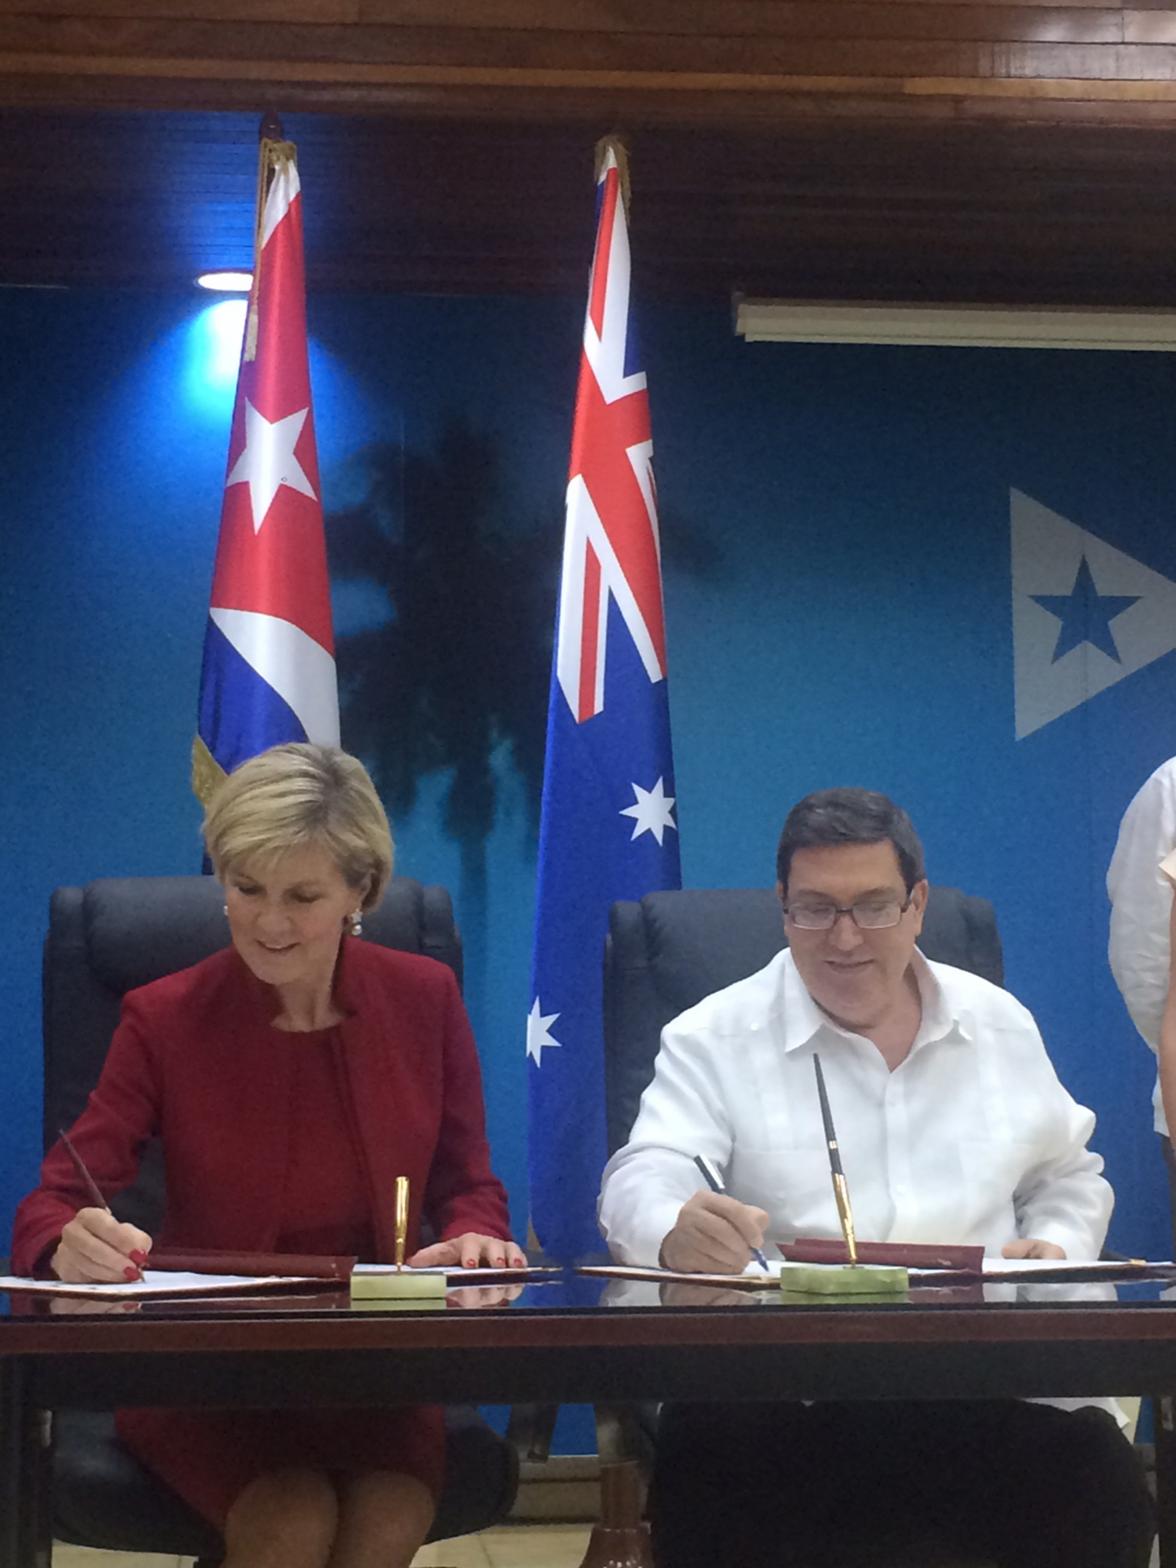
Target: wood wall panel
<point x="1150" y="27"/>
<point x="1003" y="214"/>
<point x="1097" y="23"/>
<point x="546" y="54"/>
<point x="1042" y="19"/>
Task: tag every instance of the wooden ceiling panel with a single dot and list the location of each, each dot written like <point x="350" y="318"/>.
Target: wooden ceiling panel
<point x="951" y="149"/>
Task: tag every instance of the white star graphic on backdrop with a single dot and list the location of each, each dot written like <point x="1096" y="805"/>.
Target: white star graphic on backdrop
<point x="653" y="812"/>
<point x="267" y="460"/>
<point x="1085" y="614"/>
<point x="537" y="1035"/>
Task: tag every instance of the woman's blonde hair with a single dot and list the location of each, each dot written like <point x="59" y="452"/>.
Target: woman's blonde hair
<point x="300" y="795"/>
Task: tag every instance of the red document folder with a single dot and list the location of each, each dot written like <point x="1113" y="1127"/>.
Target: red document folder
<point x="899" y="1254"/>
<point x="207" y="1260"/>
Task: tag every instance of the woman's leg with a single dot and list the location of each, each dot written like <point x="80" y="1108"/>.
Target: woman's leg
<point x="283" y="1519"/>
<point x="383" y="1519"/>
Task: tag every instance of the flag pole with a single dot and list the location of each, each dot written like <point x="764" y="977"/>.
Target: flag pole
<point x="268" y="672"/>
<point x="608" y="828"/>
<point x="272" y="146"/>
<point x="616" y="143"/>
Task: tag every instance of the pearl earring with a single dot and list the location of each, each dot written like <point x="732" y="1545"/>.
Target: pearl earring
<point x="357" y="923"/>
<point x="225" y="907"/>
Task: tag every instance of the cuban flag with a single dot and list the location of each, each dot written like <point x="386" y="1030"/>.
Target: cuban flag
<point x="269" y="653"/>
<point x="608" y="828"/>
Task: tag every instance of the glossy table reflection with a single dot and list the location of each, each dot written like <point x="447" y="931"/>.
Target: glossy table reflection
<point x="574" y="1341"/>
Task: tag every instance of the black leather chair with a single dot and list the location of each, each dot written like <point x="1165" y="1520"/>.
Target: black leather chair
<point x="664" y="954"/>
<point x="670" y="950"/>
<point x="104" y="939"/>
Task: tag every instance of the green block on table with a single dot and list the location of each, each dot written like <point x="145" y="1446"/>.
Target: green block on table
<point x="822" y="1279"/>
<point x="393" y="1304"/>
<point x="394" y="1286"/>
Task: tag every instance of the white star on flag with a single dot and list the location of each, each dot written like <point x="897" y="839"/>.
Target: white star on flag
<point x="537" y="1035"/>
<point x="652" y="813"/>
<point x="267" y="460"/>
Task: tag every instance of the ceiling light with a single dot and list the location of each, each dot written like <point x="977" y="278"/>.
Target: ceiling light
<point x="226" y="282"/>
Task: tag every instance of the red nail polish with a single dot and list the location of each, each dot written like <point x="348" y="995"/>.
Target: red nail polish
<point x="499" y="1263"/>
<point x="471" y="1263"/>
<point x="139" y="1257"/>
<point x="130" y="1273"/>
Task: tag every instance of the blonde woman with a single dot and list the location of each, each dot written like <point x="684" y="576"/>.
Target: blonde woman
<point x="291" y="1077"/>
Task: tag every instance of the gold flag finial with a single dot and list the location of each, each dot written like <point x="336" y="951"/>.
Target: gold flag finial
<point x="614" y="142"/>
<point x="272" y="151"/>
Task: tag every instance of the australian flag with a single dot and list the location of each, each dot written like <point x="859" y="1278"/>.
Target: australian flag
<point x="269" y="654"/>
<point x="608" y="829"/>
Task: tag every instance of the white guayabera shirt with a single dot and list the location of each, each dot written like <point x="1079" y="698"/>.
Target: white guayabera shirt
<point x="1141" y="903"/>
<point x="972" y="1139"/>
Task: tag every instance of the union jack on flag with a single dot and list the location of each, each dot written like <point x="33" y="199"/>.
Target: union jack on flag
<point x="607" y="829"/>
<point x="269" y="655"/>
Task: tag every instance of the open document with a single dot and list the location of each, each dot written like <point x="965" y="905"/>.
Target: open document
<point x="159" y="1282"/>
<point x="992" y="1269"/>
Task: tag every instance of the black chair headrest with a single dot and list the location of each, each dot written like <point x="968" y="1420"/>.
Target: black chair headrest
<point x="136" y="929"/>
<point x="665" y="953"/>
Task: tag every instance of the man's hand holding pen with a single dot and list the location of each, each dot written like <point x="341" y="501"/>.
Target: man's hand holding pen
<point x="96" y="1248"/>
<point x="714" y="1234"/>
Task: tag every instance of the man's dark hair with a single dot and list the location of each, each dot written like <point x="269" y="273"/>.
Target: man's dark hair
<point x="850" y="816"/>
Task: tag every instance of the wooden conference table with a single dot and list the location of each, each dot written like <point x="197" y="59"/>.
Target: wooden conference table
<point x="573" y="1342"/>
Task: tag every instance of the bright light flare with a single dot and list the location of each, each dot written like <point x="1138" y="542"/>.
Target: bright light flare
<point x="225" y="282"/>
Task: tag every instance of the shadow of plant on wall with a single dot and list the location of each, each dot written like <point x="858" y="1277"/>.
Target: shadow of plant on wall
<point x="459" y="671"/>
<point x="456" y="678"/>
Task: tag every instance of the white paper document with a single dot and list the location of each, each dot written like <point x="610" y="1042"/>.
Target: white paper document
<point x="161" y="1282"/>
<point x="994" y="1268"/>
<point x="167" y="1282"/>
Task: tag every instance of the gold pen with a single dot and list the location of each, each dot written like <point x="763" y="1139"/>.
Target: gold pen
<point x="401" y="1218"/>
<point x="840" y="1190"/>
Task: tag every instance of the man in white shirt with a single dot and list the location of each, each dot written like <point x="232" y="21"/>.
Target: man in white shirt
<point x="952" y="1127"/>
<point x="1141" y="907"/>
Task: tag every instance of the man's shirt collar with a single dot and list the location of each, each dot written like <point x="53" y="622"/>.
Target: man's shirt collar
<point x="801" y="1020"/>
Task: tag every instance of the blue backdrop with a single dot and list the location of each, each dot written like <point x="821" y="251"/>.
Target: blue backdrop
<point x="839" y="593"/>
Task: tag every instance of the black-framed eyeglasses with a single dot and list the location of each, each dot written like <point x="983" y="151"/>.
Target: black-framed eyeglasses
<point x="868" y="914"/>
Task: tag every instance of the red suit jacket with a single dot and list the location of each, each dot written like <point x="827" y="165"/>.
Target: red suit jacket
<point x="196" y="1059"/>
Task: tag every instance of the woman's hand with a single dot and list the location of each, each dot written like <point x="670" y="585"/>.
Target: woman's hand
<point x="95" y="1248"/>
<point x="473" y="1296"/>
<point x="470" y="1252"/>
<point x="89" y="1306"/>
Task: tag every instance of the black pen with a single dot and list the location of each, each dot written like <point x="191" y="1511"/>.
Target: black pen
<point x="92" y="1188"/>
<point x="840" y="1190"/>
<point x="715" y="1182"/>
